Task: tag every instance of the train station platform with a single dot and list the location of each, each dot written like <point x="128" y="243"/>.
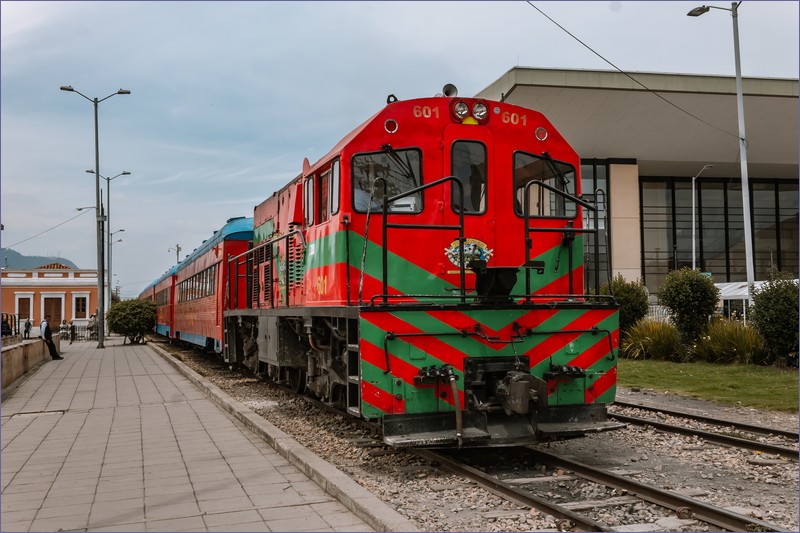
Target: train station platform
<point x="124" y="439"/>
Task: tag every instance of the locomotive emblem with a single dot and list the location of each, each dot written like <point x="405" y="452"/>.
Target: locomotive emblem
<point x="473" y="249"/>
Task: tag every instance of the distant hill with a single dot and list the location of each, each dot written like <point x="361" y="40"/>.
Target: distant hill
<point x="15" y="260"/>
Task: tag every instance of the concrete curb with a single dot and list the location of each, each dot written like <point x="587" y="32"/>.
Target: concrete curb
<point x="356" y="498"/>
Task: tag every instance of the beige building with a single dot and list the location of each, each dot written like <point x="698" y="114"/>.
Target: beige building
<point x="55" y="289"/>
<point x="643" y="137"/>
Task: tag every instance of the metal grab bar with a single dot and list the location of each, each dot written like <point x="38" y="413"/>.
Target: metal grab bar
<point x="567" y="231"/>
<point x="460" y="227"/>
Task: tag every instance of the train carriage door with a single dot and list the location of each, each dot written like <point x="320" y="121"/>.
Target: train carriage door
<point x="469" y="160"/>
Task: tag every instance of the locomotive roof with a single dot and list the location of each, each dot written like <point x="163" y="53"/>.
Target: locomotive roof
<point x="235" y="229"/>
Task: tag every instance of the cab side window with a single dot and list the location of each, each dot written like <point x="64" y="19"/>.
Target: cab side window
<point x="310" y="204"/>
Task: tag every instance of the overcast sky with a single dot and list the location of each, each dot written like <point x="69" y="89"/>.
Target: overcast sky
<point x="227" y="98"/>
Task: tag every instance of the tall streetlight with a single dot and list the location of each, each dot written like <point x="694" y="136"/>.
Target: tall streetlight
<point x="110" y="243"/>
<point x="694" y="226"/>
<point x="100" y="218"/>
<point x="748" y="238"/>
<point x="108" y="225"/>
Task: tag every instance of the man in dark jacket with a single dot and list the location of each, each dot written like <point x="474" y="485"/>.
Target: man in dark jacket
<point x="48" y="339"/>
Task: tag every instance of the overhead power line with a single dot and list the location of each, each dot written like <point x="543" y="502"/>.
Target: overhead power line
<point x="648" y="89"/>
<point x="49" y="229"/>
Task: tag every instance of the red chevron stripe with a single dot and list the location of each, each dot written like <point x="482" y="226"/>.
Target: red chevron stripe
<point x="557" y="342"/>
<point x="460" y="321"/>
<point x="597" y="351"/>
<point x="601" y="385"/>
<point x="380" y="399"/>
<point x="430" y="345"/>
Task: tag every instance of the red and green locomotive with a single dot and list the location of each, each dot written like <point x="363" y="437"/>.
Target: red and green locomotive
<point x="428" y="273"/>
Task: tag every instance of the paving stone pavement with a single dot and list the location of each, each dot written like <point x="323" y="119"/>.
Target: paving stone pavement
<point x="118" y="440"/>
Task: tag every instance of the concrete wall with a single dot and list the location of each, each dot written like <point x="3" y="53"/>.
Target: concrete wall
<point x="19" y="358"/>
<point x="624" y="223"/>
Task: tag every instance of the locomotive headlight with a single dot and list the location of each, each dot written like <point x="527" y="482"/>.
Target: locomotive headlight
<point x="479" y="111"/>
<point x="461" y="110"/>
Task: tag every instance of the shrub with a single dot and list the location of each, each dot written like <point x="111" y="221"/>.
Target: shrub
<point x="653" y="339"/>
<point x="775" y="316"/>
<point x="691" y="298"/>
<point x="730" y="341"/>
<point x="133" y="319"/>
<point x="632" y="299"/>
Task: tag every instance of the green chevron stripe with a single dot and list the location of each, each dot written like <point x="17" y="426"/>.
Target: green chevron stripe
<point x="550" y="274"/>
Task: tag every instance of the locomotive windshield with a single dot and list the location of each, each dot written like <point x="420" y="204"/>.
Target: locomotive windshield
<point x="469" y="166"/>
<point x="552" y="200"/>
<point x="402" y="171"/>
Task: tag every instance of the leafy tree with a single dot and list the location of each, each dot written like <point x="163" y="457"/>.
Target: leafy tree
<point x="133" y="319"/>
<point x="691" y="298"/>
<point x="632" y="299"/>
<point x="775" y="316"/>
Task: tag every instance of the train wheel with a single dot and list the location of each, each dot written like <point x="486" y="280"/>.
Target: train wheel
<point x="297" y="379"/>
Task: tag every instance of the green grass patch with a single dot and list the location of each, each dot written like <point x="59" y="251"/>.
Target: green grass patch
<point x="741" y="385"/>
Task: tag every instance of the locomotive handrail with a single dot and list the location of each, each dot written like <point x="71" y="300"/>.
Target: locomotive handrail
<point x="552" y="299"/>
<point x="568" y="230"/>
<point x="385" y="226"/>
<point x="250" y="252"/>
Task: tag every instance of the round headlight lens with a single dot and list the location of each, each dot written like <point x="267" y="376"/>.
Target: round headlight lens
<point x="461" y="110"/>
<point x="479" y="111"/>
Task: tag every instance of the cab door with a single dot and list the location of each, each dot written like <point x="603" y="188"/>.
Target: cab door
<point x="468" y="156"/>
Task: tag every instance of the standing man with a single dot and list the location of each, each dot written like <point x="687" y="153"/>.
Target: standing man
<point x="47" y="333"/>
<point x="27" y="334"/>
<point x="72" y="331"/>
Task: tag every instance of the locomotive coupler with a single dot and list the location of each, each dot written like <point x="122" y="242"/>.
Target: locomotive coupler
<point x="516" y="392"/>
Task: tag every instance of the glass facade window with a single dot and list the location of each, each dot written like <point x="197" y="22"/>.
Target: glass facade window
<point x="657" y="233"/>
<point x="666" y="227"/>
<point x="787" y="226"/>
<point x="594" y="177"/>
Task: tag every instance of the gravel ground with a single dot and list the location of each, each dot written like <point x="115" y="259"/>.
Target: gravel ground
<point x="756" y="485"/>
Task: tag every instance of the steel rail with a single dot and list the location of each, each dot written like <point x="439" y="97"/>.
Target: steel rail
<point x="715" y="421"/>
<point x="718" y="438"/>
<point x="682" y="505"/>
<point x="504" y="490"/>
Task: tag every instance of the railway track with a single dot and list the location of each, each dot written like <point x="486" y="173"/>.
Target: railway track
<point x="588" y="511"/>
<point x="714" y="437"/>
<point x="684" y="507"/>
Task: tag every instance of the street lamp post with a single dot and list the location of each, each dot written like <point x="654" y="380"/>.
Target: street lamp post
<point x="694" y="226"/>
<point x="748" y="238"/>
<point x="108" y="224"/>
<point x="110" y="249"/>
<point x="100" y="218"/>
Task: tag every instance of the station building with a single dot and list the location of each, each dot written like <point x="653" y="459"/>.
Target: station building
<point x="54" y="289"/>
<point x="644" y="142"/>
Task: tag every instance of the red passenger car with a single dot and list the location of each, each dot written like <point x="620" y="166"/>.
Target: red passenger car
<point x="198" y="286"/>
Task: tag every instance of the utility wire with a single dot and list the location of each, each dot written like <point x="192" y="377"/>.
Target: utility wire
<point x="648" y="89"/>
<point x="49" y="229"/>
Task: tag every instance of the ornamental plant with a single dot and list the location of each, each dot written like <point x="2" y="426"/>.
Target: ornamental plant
<point x="691" y="299"/>
<point x="653" y="339"/>
<point x="775" y="316"/>
<point x="632" y="299"/>
<point x="730" y="341"/>
<point x="133" y="319"/>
